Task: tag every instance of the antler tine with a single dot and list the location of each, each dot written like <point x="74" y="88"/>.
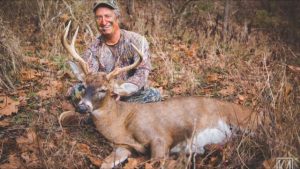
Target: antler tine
<point x="117" y="71"/>
<point x="71" y="48"/>
<point x="74" y="37"/>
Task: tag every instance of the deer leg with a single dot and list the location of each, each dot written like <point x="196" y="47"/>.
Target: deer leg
<point x="159" y="148"/>
<point x="115" y="158"/>
<point x="128" y="141"/>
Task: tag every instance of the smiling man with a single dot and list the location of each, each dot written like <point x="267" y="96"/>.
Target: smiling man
<point x="113" y="49"/>
<point x="107" y="19"/>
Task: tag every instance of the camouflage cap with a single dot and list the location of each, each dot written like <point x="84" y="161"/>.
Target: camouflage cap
<point x="107" y="3"/>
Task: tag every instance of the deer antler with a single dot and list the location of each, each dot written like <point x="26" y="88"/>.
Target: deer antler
<point x="118" y="70"/>
<point x="71" y="48"/>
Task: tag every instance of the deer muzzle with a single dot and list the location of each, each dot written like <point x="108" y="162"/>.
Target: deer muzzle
<point x="84" y="106"/>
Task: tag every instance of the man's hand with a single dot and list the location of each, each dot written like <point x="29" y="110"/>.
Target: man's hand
<point x="125" y="89"/>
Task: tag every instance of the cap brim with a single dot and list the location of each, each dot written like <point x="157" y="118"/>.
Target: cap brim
<point x="103" y="5"/>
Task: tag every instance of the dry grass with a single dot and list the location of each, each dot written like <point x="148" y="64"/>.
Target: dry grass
<point x="10" y="57"/>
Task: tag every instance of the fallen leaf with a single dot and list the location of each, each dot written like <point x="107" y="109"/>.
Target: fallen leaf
<point x="8" y="106"/>
<point x="42" y="110"/>
<point x="269" y="164"/>
<point x="288" y="89"/>
<point x="44" y="53"/>
<point x="62" y="74"/>
<point x="213" y="147"/>
<point x="4" y="123"/>
<point x="212" y="77"/>
<point x="47" y="93"/>
<point x="213" y="160"/>
<point x="192" y="51"/>
<point x="132" y="163"/>
<point x="149" y="166"/>
<point x="30" y="59"/>
<point x="175" y="58"/>
<point x="95" y="161"/>
<point x="13" y="163"/>
<point x="206" y="91"/>
<point x="29" y="48"/>
<point x="242" y="97"/>
<point x="29" y="74"/>
<point x="64" y="17"/>
<point x="85" y="149"/>
<point x="30" y="138"/>
<point x="229" y="90"/>
<point x="58" y="85"/>
<point x="179" y="89"/>
<point x="23" y="100"/>
<point x="183" y="47"/>
<point x="29" y="157"/>
<point x="153" y="83"/>
<point x="67" y="106"/>
<point x="45" y="62"/>
<point x="28" y="145"/>
<point x="72" y="143"/>
<point x="52" y="89"/>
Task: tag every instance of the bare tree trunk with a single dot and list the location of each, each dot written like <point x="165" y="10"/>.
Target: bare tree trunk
<point x="130" y="7"/>
<point x="245" y="32"/>
<point x="226" y="19"/>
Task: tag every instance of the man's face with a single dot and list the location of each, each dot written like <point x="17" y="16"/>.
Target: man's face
<point x="106" y="20"/>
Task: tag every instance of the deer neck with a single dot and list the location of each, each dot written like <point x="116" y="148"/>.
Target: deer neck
<point x="107" y="118"/>
<point x="108" y="111"/>
<point x="106" y="108"/>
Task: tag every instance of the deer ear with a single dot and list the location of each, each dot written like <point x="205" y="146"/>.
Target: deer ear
<point x="77" y="71"/>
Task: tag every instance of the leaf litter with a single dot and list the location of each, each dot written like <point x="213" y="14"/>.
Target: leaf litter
<point x="8" y="106"/>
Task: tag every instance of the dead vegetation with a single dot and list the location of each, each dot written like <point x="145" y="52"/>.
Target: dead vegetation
<point x="10" y="57"/>
<point x="252" y="66"/>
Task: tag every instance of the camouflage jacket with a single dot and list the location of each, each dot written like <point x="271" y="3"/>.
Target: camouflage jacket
<point x="105" y="58"/>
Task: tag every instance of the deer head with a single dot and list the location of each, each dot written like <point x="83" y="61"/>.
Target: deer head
<point x="97" y="84"/>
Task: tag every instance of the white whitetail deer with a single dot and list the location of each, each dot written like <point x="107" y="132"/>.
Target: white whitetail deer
<point x="160" y="127"/>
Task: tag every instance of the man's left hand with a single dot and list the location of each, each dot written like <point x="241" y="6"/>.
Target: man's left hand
<point x="125" y="89"/>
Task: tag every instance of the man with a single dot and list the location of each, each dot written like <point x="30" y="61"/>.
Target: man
<point x="113" y="49"/>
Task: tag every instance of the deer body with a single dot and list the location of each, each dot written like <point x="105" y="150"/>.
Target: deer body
<point x="191" y="121"/>
<point x="170" y="122"/>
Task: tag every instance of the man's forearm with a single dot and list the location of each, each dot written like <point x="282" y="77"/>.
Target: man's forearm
<point x="139" y="78"/>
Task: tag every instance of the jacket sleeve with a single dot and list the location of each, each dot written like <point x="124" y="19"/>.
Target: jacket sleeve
<point x="140" y="77"/>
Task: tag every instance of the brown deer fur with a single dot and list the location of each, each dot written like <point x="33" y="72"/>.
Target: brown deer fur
<point x="160" y="125"/>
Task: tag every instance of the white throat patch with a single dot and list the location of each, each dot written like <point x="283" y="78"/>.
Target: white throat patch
<point x="97" y="113"/>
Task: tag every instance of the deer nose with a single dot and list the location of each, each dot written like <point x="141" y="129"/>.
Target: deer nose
<point x="82" y="108"/>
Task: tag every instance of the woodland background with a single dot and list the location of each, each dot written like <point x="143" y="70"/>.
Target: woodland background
<point x="241" y="51"/>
